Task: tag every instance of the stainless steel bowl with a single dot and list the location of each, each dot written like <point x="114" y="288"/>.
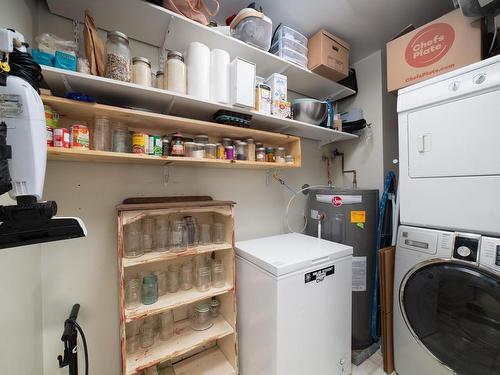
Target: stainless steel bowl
<point x="308" y="110"/>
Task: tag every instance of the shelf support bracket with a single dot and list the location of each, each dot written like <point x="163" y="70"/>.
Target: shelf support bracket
<point x="169" y="106"/>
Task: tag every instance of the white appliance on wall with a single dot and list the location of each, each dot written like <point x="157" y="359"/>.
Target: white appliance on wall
<point x="446" y="303"/>
<point x="294" y="306"/>
<point x="449" y="150"/>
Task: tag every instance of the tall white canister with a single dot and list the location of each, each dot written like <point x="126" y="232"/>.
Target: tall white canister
<point x="219" y="76"/>
<point x="198" y="70"/>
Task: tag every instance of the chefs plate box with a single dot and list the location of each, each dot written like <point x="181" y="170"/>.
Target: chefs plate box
<point x="445" y="44"/>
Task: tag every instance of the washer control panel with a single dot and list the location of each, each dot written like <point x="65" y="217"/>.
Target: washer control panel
<point x="466" y="247"/>
<point x="490" y="253"/>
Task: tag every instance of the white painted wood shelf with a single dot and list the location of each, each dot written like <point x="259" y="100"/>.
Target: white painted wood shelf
<point x="158" y="256"/>
<point x="173" y="300"/>
<point x="117" y="93"/>
<point x="158" y="26"/>
<point x="209" y="362"/>
<point x="184" y="341"/>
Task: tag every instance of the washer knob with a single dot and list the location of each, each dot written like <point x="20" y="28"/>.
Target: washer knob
<point x="454" y="86"/>
<point x="480" y="78"/>
<point x="464" y="251"/>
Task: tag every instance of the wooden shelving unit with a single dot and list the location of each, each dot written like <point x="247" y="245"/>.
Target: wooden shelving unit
<point x="71" y="110"/>
<point x="209" y="352"/>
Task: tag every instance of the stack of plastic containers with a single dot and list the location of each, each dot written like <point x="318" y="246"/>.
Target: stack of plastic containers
<point x="290" y="45"/>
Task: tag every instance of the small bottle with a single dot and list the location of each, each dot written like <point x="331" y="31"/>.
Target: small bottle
<point x="251" y="149"/>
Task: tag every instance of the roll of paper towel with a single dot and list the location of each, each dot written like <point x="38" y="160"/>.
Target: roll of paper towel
<point x="198" y="70"/>
<point x="219" y="76"/>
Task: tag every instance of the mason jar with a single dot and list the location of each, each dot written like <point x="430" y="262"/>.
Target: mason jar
<point x="118" y="57"/>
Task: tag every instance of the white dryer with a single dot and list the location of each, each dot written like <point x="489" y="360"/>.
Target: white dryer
<point x="446" y="303"/>
<point x="449" y="150"/>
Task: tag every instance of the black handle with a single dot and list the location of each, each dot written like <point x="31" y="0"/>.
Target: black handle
<point x="69" y="329"/>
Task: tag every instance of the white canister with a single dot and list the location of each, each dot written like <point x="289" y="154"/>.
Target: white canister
<point x="242" y="83"/>
<point x="198" y="70"/>
<point x="219" y="76"/>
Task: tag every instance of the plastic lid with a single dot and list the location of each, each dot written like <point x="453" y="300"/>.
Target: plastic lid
<point x="269" y="148"/>
<point x="231" y="147"/>
<point x="281" y="148"/>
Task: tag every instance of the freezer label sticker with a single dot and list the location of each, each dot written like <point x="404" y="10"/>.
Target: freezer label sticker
<point x="11" y="105"/>
<point x="337" y="201"/>
<point x="358" y="274"/>
<point x="358" y="217"/>
<point x="319" y="275"/>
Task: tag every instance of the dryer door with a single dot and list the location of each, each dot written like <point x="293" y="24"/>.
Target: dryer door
<point x="453" y="310"/>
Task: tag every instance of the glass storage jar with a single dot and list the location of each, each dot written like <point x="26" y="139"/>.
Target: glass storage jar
<point x="117" y="57"/>
<point x="161" y="278"/>
<point x="241" y="150"/>
<point x="206" y="234"/>
<point x="203" y="282"/>
<point x="148" y="232"/>
<point x="220" y="153"/>
<point x="141" y="71"/>
<point x="227" y="142"/>
<point x="166" y="325"/>
<point x="132" y="293"/>
<point x="251" y="149"/>
<point x="270" y="154"/>
<point x="214" y="308"/>
<point x="120" y="137"/>
<point x="189" y="149"/>
<point x="179" y="236"/>
<point x="173" y="278"/>
<point x="218" y="280"/>
<point x="289" y="159"/>
<point x="133" y="328"/>
<point x="199" y="151"/>
<point x="133" y="343"/>
<point x="210" y="151"/>
<point x="162" y="233"/>
<point x="101" y="135"/>
<point x="218" y="233"/>
<point x="149" y="290"/>
<point x="201" y="319"/>
<point x="176" y="72"/>
<point x="159" y="80"/>
<point x="260" y="154"/>
<point x="279" y="156"/>
<point x="133" y="240"/>
<point x="147" y="335"/>
<point x="177" y="145"/>
<point x="192" y="231"/>
<point x="186" y="277"/>
<point x="201" y="138"/>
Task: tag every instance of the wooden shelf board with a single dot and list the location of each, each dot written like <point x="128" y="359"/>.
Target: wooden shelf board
<point x="157" y="25"/>
<point x="119" y="93"/>
<point x="185" y="340"/>
<point x="209" y="362"/>
<point x="70" y="154"/>
<point x="173" y="300"/>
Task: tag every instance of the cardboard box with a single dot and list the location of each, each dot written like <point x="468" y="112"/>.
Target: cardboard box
<point x="445" y="44"/>
<point x="328" y="56"/>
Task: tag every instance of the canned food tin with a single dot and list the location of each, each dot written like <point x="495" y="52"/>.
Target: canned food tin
<point x="51" y="117"/>
<point x="139" y="143"/>
<point x="80" y="136"/>
<point x="50" y="136"/>
<point x="155" y="145"/>
<point x="61" y="137"/>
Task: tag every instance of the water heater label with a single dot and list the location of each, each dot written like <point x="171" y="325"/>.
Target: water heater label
<point x="358" y="274"/>
<point x="358" y="217"/>
<point x="11" y="105"/>
<point x="319" y="275"/>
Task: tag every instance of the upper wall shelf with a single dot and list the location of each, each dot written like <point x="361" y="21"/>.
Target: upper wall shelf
<point x="153" y="25"/>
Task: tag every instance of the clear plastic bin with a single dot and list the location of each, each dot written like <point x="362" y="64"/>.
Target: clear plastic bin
<point x="290" y="55"/>
<point x="289" y="33"/>
<point x="290" y="44"/>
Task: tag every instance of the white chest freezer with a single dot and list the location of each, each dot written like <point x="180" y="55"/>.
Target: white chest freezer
<point x="449" y="150"/>
<point x="294" y="306"/>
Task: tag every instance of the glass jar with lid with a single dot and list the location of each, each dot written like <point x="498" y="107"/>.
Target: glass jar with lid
<point x="141" y="71"/>
<point x="120" y="137"/>
<point x="189" y="149"/>
<point x="179" y="236"/>
<point x="260" y="154"/>
<point x="241" y="150"/>
<point x="289" y="159"/>
<point x="117" y="57"/>
<point x="251" y="149"/>
<point x="101" y="139"/>
<point x="177" y="145"/>
<point x="149" y="290"/>
<point x="279" y="155"/>
<point x="201" y="138"/>
<point x="270" y="154"/>
<point x="201" y="318"/>
<point x="210" y="151"/>
<point x="176" y="72"/>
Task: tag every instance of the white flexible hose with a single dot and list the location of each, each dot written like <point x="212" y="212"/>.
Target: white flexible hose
<point x="305" y="216"/>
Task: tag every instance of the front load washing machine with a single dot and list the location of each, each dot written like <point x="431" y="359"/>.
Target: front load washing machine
<point x="446" y="303"/>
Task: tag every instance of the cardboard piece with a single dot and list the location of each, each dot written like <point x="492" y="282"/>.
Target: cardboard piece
<point x="386" y="259"/>
<point x="328" y="56"/>
<point x="445" y="44"/>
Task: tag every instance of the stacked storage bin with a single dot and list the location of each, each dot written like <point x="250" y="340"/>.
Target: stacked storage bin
<point x="290" y="45"/>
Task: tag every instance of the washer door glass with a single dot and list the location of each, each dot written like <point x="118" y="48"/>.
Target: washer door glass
<point x="454" y="310"/>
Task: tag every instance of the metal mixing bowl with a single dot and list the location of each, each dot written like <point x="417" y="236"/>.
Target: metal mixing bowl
<point x="308" y="110"/>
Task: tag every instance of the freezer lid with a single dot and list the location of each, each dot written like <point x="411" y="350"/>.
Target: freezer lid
<point x="290" y="252"/>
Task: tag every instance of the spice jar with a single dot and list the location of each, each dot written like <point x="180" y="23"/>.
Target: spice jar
<point x="289" y="159"/>
<point x="279" y="156"/>
<point x="159" y="80"/>
<point x="260" y="154"/>
<point x="101" y="134"/>
<point x="251" y="149"/>
<point x="241" y="150"/>
<point x="177" y="145"/>
<point x="120" y="137"/>
<point x="229" y="152"/>
<point x="149" y="290"/>
<point x="141" y="71"/>
<point x="201" y="138"/>
<point x="270" y="154"/>
<point x="176" y="72"/>
<point x="214" y="308"/>
<point x="210" y="151"/>
<point x="220" y="153"/>
<point x="201" y="319"/>
<point x="80" y="136"/>
<point x="117" y="57"/>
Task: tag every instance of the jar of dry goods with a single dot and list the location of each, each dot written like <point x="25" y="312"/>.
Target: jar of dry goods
<point x="176" y="72"/>
<point x="118" y="57"/>
<point x="141" y="71"/>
